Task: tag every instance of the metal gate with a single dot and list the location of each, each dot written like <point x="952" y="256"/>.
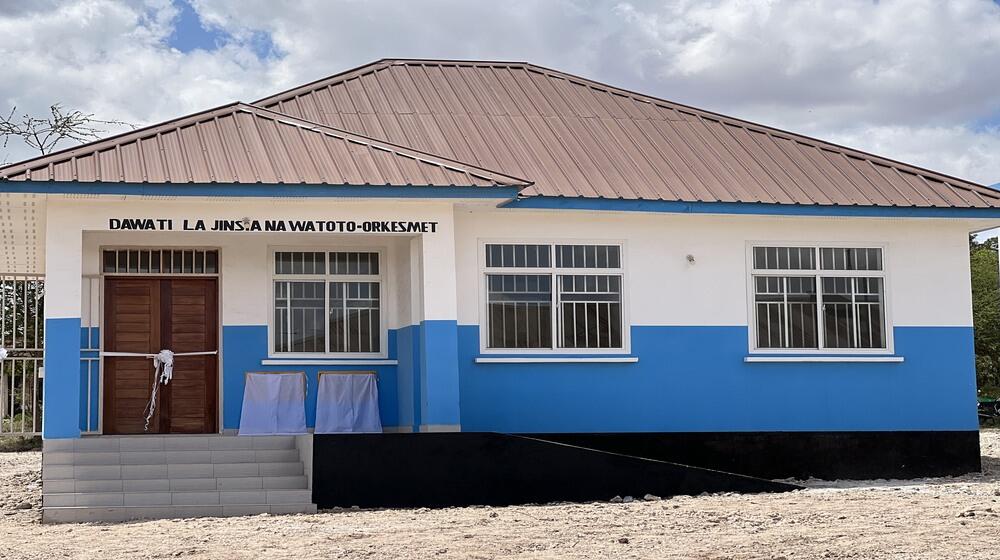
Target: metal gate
<point x="22" y="338"/>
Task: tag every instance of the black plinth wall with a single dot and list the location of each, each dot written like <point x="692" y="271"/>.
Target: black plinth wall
<point x="826" y="455"/>
<point x="455" y="469"/>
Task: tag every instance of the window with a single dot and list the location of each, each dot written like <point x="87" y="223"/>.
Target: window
<point x="545" y="297"/>
<point x="819" y="298"/>
<point x="160" y="261"/>
<point x="327" y="302"/>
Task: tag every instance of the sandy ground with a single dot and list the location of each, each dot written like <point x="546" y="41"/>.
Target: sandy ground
<point x="932" y="518"/>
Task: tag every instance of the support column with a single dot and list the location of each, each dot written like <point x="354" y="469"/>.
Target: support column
<point x="437" y="313"/>
<point x="63" y="287"/>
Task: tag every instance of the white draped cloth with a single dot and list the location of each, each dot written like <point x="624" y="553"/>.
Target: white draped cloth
<point x="274" y="404"/>
<point x="347" y="403"/>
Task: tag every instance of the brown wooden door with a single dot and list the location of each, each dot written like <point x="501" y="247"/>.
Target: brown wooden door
<point x="146" y="315"/>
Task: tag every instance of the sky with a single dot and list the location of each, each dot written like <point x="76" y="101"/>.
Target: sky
<point x="917" y="81"/>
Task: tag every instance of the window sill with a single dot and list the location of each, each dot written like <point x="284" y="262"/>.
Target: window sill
<point x="328" y="362"/>
<point x="556" y="359"/>
<point x="825" y="359"/>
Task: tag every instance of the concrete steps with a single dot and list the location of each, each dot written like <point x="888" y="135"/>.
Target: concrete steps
<point x="116" y="478"/>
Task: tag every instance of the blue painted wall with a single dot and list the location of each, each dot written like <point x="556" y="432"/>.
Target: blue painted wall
<point x="439" y="373"/>
<point x="695" y="379"/>
<point x="687" y="379"/>
<point x="243" y="348"/>
<point x="61" y="385"/>
<point x="409" y="376"/>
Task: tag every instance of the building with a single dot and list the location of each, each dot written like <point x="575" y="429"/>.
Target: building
<point x="513" y="250"/>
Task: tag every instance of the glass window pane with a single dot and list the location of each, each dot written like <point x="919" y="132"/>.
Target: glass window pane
<point x="306" y="302"/>
<point x="355" y="317"/>
<point x="110" y="262"/>
<point x="212" y="262"/>
<point x="519" y="311"/>
<point x="590" y="311"/>
<point x="784" y="258"/>
<point x="846" y="258"/>
<point x="588" y="256"/>
<point x="785" y="310"/>
<point x="838" y="312"/>
<point x="353" y="263"/>
<point x="517" y="256"/>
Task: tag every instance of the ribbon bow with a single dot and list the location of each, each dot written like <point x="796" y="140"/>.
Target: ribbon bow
<point x="164" y="365"/>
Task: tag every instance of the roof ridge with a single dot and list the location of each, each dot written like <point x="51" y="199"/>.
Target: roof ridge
<point x="951" y="180"/>
<point x="413" y="152"/>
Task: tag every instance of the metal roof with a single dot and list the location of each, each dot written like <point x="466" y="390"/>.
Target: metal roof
<point x="241" y="143"/>
<point x="579" y="138"/>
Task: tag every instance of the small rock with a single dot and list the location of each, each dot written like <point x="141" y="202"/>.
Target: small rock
<point x="616" y="500"/>
<point x="23" y="505"/>
<point x="651" y="498"/>
<point x="623" y="540"/>
<point x="494" y="514"/>
<point x="628" y="499"/>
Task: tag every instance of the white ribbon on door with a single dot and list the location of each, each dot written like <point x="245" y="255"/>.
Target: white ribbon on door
<point x="163" y="372"/>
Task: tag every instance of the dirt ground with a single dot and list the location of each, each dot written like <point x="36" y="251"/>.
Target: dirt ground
<point x="932" y="518"/>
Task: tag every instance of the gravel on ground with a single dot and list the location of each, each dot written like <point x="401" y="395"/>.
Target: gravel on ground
<point x="956" y="517"/>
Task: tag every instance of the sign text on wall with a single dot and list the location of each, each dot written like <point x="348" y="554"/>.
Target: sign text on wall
<point x="246" y="224"/>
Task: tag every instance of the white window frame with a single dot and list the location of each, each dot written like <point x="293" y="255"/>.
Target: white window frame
<point x="554" y="272"/>
<point x="382" y="278"/>
<point x="818" y="273"/>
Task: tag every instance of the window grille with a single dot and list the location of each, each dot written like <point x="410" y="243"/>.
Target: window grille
<point x="160" y="261"/>
<point x="541" y="306"/>
<point x="838" y="305"/>
<point x="327" y="302"/>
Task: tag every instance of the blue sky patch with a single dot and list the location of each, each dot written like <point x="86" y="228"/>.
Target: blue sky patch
<point x="189" y="33"/>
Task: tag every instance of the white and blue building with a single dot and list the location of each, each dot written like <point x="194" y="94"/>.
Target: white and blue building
<point x="513" y="250"/>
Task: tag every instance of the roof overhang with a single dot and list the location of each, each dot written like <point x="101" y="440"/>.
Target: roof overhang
<point x="259" y="190"/>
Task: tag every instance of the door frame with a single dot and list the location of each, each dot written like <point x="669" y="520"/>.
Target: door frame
<point x="102" y="277"/>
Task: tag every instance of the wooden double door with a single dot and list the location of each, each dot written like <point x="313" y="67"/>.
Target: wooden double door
<point x="146" y="315"/>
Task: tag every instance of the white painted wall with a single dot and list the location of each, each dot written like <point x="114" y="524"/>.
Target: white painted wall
<point x="927" y="259"/>
<point x="245" y="256"/>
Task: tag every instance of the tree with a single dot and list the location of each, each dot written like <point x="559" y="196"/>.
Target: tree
<point x="45" y="133"/>
<point x="986" y="313"/>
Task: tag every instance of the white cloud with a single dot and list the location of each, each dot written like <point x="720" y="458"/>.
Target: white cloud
<point x="912" y="80"/>
<point x="111" y="59"/>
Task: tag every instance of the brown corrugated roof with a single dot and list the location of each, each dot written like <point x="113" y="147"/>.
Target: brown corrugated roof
<point x="579" y="138"/>
<point x="241" y="143"/>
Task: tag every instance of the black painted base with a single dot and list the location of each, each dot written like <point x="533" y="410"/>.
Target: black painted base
<point x="826" y="455"/>
<point x="456" y="469"/>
